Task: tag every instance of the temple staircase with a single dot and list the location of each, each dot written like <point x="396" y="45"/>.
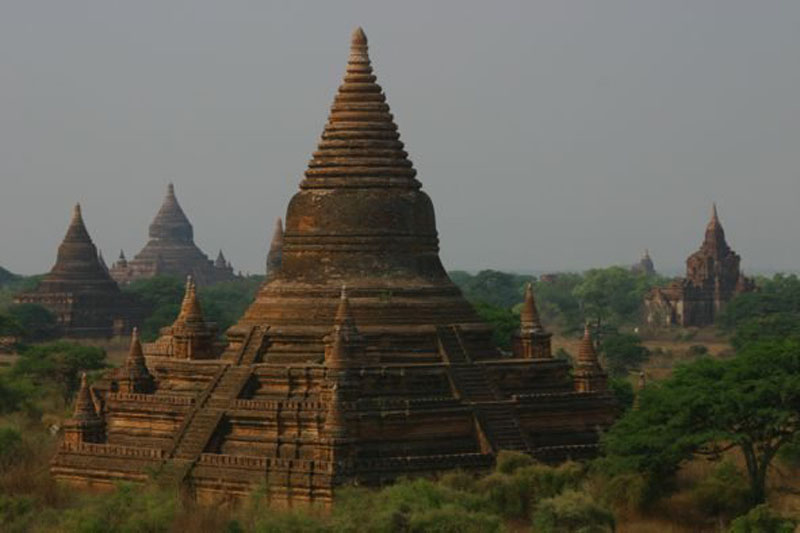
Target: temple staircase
<point x="495" y="416"/>
<point x="254" y="343"/>
<point x="501" y="427"/>
<point x="199" y="424"/>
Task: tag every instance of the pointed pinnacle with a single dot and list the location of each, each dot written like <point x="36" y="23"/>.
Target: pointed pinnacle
<point x="358" y="37"/>
<point x="76" y="212"/>
<point x="170" y="189"/>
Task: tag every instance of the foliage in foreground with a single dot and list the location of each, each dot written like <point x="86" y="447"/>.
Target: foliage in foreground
<point x="750" y="403"/>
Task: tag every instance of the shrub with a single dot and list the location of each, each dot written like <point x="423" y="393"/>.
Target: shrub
<point x="508" y="461"/>
<point x="725" y="493"/>
<point x="697" y="349"/>
<point x="128" y="508"/>
<point x="452" y="519"/>
<point x="36" y="321"/>
<point x="762" y="519"/>
<point x="59" y="364"/>
<point x="572" y="511"/>
<point x="16" y="513"/>
<point x="10" y="446"/>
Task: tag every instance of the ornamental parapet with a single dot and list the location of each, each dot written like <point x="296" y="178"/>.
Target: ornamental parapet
<point x="430" y="462"/>
<point x="151" y="398"/>
<point x="111" y="450"/>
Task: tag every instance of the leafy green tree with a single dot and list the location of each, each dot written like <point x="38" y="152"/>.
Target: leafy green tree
<point x="162" y="296"/>
<point x="781" y="294"/>
<point x="500" y="289"/>
<point x="611" y="294"/>
<point x="557" y="302"/>
<point x="504" y="322"/>
<point x="59" y="364"/>
<point x="762" y="519"/>
<point x="779" y="325"/>
<point x="224" y="303"/>
<point x="623" y="352"/>
<point x="10" y="326"/>
<point x="15" y="393"/>
<point x="750" y="403"/>
<point x="36" y="321"/>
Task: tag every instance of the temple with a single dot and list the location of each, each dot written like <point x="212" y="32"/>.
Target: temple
<point x="79" y="291"/>
<point x="171" y="251"/>
<point x="712" y="279"/>
<point x="645" y="265"/>
<point x="359" y="360"/>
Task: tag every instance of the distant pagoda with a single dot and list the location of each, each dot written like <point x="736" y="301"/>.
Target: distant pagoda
<point x="712" y="278"/>
<point x="645" y="265"/>
<point x="79" y="291"/>
<point x="171" y="251"/>
<point x="359" y="361"/>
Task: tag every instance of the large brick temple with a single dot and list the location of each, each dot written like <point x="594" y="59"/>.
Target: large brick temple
<point x="712" y="278"/>
<point x="171" y="251"/>
<point x="79" y="292"/>
<point x="359" y="360"/>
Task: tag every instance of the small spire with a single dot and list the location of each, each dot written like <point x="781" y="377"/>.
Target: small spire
<point x="84" y="406"/>
<point x="77" y="228"/>
<point x="220" y="261"/>
<point x="529" y="316"/>
<point x="122" y="255"/>
<point x="586" y="350"/>
<point x="190" y="306"/>
<point x="358" y="37"/>
<point x="76" y="213"/>
<point x="344" y="316"/>
<point x="714" y="216"/>
<point x="335" y="424"/>
<point x="170" y="189"/>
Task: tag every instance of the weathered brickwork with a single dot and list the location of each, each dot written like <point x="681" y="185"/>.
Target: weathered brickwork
<point x="712" y="279"/>
<point x="359" y="359"/>
<point x="79" y="291"/>
<point x="171" y="251"/>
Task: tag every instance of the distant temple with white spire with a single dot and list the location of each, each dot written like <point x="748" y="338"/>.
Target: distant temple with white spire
<point x="171" y="251"/>
<point x="712" y="279"/>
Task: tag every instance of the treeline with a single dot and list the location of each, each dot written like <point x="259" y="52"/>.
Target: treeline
<point x="611" y="296"/>
<point x="222" y="303"/>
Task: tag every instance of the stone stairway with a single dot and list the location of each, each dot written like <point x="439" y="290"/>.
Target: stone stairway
<point x="501" y="427"/>
<point x="197" y="435"/>
<point x="450" y="344"/>
<point x="472" y="383"/>
<point x="250" y="352"/>
<point x="173" y="473"/>
<point x="229" y="386"/>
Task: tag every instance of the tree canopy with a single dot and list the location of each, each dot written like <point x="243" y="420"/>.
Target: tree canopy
<point x="750" y="403"/>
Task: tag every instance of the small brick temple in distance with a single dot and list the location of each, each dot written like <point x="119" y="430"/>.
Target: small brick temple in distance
<point x="359" y="360"/>
<point x="79" y="291"/>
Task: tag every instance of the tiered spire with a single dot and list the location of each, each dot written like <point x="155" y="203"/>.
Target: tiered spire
<point x="191" y="312"/>
<point x="529" y="316"/>
<point x="220" y="261"/>
<point x="121" y="261"/>
<point x="344" y="342"/>
<point x="78" y="259"/>
<point x="589" y="375"/>
<point x="715" y="235"/>
<point x="84" y="406"/>
<point x="275" y="254"/>
<point x="170" y="223"/>
<point x="136" y="377"/>
<point x="360" y="145"/>
<point x="586" y="351"/>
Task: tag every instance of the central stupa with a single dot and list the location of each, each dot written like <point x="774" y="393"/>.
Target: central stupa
<point x="361" y="220"/>
<point x="359" y="361"/>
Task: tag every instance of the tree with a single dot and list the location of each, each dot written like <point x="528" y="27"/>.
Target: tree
<point x="59" y="364"/>
<point x="37" y="322"/>
<point x="750" y="403"/>
<point x="623" y="352"/>
<point x="504" y="322"/>
<point x="501" y="289"/>
<point x="162" y="296"/>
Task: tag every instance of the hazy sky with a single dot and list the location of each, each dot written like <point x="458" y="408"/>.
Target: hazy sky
<point x="550" y="134"/>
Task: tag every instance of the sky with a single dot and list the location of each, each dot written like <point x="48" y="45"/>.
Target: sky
<point x="551" y="135"/>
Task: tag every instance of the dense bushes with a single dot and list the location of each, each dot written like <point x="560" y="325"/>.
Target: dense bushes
<point x="222" y="303"/>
